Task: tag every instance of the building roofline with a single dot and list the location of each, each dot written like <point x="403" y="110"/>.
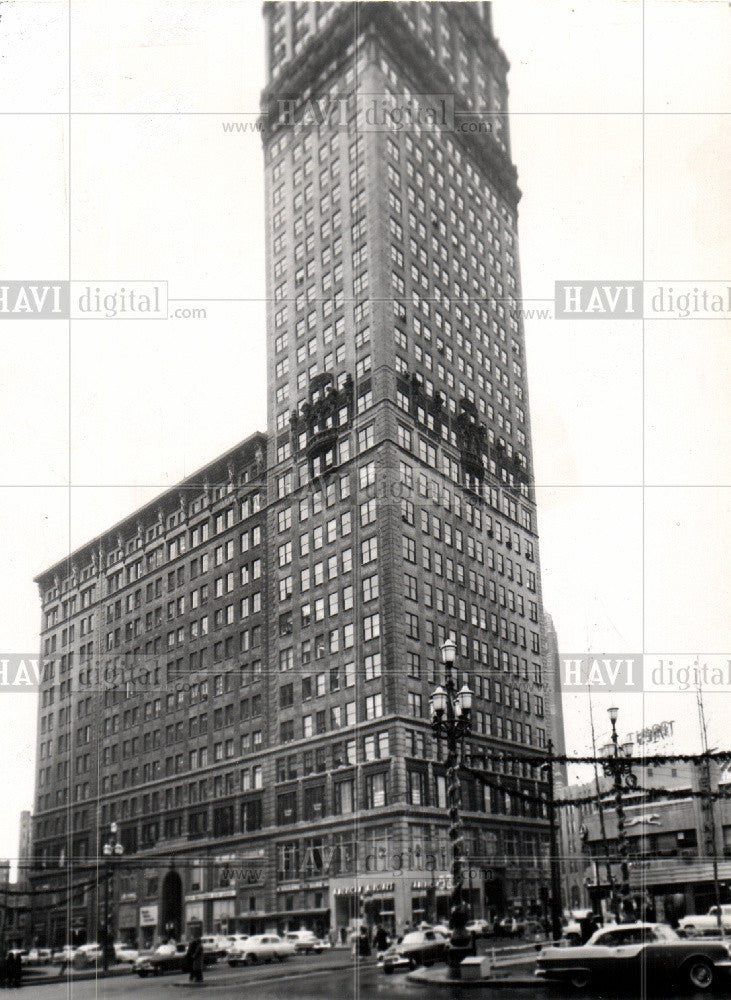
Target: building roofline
<point x="195" y="480"/>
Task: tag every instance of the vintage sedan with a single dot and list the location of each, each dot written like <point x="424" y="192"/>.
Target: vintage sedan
<point x="169" y="957"/>
<point x="415" y="948"/>
<point x="265" y="948"/>
<point x="306" y="942"/>
<point x="637" y="954"/>
<point x="125" y="952"/>
<point x="64" y="955"/>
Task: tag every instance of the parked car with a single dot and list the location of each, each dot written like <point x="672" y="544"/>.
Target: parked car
<point x="236" y="943"/>
<point x="81" y="957"/>
<point x="530" y="929"/>
<point x="264" y="948"/>
<point x="216" y="945"/>
<point x="37" y="956"/>
<point x="442" y="929"/>
<point x="169" y="957"/>
<point x="480" y="928"/>
<point x="632" y="954"/>
<point x="415" y="948"/>
<point x="305" y="942"/>
<point x="706" y="923"/>
<point x="125" y="952"/>
<point x="64" y="955"/>
<point x="88" y="954"/>
<point x="235" y="952"/>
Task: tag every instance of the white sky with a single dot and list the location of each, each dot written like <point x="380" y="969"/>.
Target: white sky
<point x="631" y="448"/>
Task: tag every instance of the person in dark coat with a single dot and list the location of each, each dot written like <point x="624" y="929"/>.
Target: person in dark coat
<point x="194" y="960"/>
<point x="17" y="970"/>
<point x="380" y="938"/>
<point x="588" y="925"/>
<point x="364" y="944"/>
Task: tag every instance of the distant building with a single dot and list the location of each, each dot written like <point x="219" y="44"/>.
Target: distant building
<point x="25" y="847"/>
<point x="555" y="694"/>
<point x="14" y="910"/>
<point x="668" y="839"/>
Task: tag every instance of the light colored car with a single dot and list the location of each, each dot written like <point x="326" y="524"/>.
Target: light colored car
<point x="415" y="948"/>
<point x="64" y="955"/>
<point x="630" y="955"/>
<point x="215" y="944"/>
<point x="265" y="947"/>
<point x="125" y="952"/>
<point x="37" y="956"/>
<point x="706" y="923"/>
<point x="305" y="942"/>
<point x="480" y="928"/>
<point x="234" y="952"/>
<point x="86" y="955"/>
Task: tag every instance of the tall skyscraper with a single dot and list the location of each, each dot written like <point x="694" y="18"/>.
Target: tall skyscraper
<point x="272" y="764"/>
<point x="402" y="508"/>
<point x="554" y="693"/>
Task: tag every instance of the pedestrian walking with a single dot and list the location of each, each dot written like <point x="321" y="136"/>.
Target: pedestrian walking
<point x="381" y="938"/>
<point x="194" y="960"/>
<point x="12" y="969"/>
<point x="364" y="944"/>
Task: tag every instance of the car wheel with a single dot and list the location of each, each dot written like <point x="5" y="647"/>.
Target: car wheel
<point x="250" y="960"/>
<point x="700" y="974"/>
<point x="388" y="969"/>
<point x="232" y="963"/>
<point x="412" y="964"/>
<point x="580" y="980"/>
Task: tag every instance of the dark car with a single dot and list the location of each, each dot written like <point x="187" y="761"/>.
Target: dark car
<point x="635" y="955"/>
<point x="415" y="948"/>
<point x="166" y="958"/>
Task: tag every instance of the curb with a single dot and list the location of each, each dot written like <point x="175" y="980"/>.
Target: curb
<point x="77" y="977"/>
<point x="495" y="983"/>
<point x="284" y="972"/>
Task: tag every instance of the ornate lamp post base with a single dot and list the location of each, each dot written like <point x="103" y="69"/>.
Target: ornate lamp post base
<point x="461" y="944"/>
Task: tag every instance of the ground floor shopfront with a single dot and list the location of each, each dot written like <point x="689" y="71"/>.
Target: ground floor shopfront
<point x="662" y="889"/>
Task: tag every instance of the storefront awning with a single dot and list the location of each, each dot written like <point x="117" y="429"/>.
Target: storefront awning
<point x="281" y="914"/>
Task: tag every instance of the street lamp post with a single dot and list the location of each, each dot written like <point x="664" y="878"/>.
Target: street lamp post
<point x="450" y="712"/>
<point x="618" y="766"/>
<point x="112" y="849"/>
<point x="554" y="861"/>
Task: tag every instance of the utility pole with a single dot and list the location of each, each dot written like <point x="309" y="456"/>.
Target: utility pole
<point x="554" y="860"/>
<point x="613" y="901"/>
<point x="709" y="813"/>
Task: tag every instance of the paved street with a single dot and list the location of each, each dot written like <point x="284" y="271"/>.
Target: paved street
<point x="300" y="979"/>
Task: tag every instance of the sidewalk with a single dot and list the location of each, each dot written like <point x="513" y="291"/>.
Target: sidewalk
<point x="441" y="976"/>
<point x="510" y="967"/>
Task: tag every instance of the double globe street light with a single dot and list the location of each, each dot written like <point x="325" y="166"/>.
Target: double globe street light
<point x="450" y="711"/>
<point x="112" y="849"/>
<point x="617" y="764"/>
